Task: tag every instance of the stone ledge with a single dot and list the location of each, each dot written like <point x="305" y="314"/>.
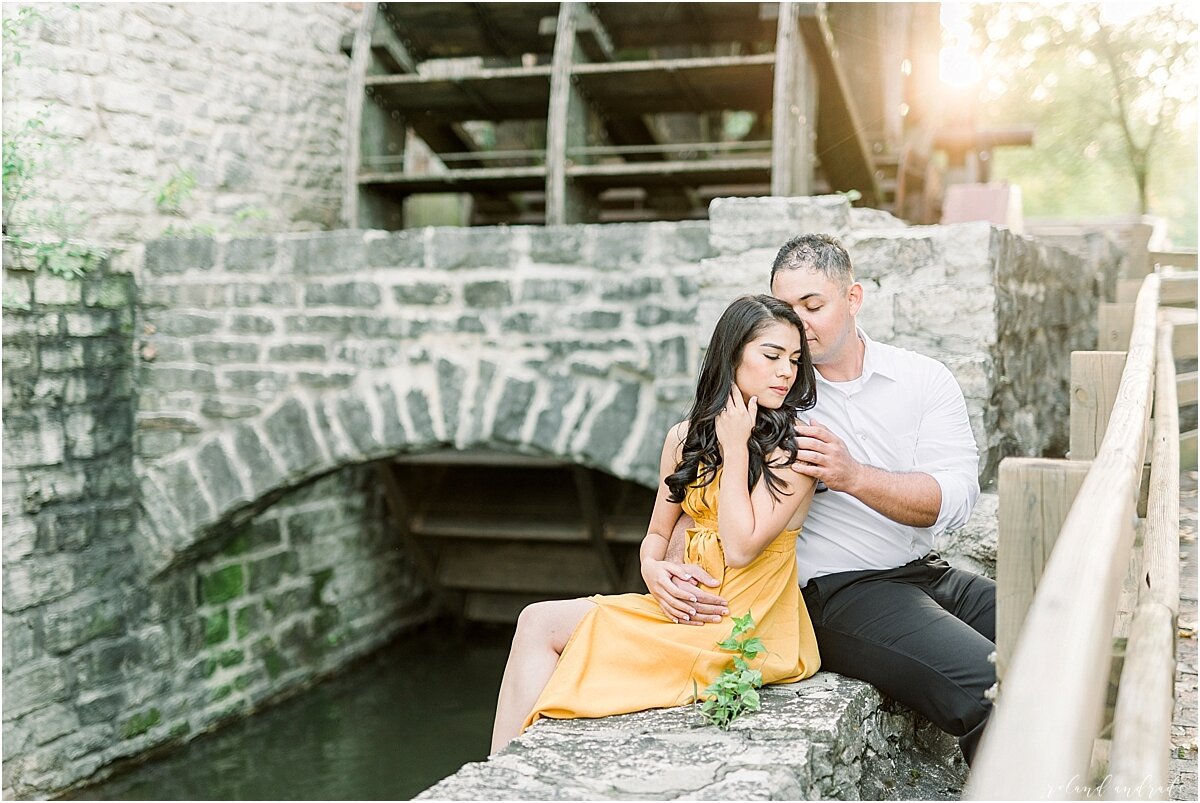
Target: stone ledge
<point x="825" y="737"/>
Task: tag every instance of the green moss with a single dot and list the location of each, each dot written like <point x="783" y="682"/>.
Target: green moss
<point x="138" y="724"/>
<point x="216" y="628"/>
<point x="221" y="692"/>
<point x="224" y="585"/>
<point x="178" y="730"/>
<point x="241" y="682"/>
<point x="326" y="618"/>
<point x="113" y="293"/>
<point x="275" y="663"/>
<point x="246" y="621"/>
<point x="102" y="625"/>
<point x="231" y="657"/>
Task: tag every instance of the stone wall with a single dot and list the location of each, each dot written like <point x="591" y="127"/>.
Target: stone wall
<point x="103" y="661"/>
<point x="248" y="98"/>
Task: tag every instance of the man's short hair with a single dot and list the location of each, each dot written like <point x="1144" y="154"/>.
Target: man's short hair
<point x="819" y="252"/>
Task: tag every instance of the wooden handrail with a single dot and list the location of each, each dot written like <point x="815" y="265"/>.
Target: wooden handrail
<point x="1038" y="744"/>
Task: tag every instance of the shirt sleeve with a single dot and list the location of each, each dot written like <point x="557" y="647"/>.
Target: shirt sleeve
<point x="946" y="449"/>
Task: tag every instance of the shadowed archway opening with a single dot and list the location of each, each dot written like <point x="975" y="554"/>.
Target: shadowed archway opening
<point x="493" y="532"/>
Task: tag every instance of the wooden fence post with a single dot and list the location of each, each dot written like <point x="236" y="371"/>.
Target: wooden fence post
<point x="1095" y="378"/>
<point x="1035" y="497"/>
<point x="1115" y="323"/>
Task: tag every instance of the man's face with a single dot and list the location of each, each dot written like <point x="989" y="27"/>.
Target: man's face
<point x="826" y="308"/>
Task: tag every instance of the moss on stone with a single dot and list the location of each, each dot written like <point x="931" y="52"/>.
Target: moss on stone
<point x="275" y="663"/>
<point x="238" y="545"/>
<point x="138" y="724"/>
<point x="223" y="585"/>
<point x="179" y="729"/>
<point x="320" y="580"/>
<point x="221" y="692"/>
<point x="246" y="621"/>
<point x="231" y="657"/>
<point x="216" y="628"/>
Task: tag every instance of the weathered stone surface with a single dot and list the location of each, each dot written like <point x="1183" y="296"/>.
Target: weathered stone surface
<point x="825" y="737"/>
<point x="610" y="429"/>
<point x="396" y="249"/>
<point x="451" y="249"/>
<point x="178" y="256"/>
<point x="487" y="294"/>
<point x="512" y="410"/>
<point x="291" y="434"/>
<point x="973" y="546"/>
<point x="742" y="224"/>
<point x="344" y="294"/>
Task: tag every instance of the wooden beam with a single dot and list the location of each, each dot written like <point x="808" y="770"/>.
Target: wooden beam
<point x="1035" y="497"/>
<point x="795" y="104"/>
<point x="1115" y="322"/>
<point x="586" y="490"/>
<point x="566" y="125"/>
<point x="398" y="506"/>
<point x="841" y="146"/>
<point x="1141" y="741"/>
<point x="1095" y="379"/>
<point x="1161" y="578"/>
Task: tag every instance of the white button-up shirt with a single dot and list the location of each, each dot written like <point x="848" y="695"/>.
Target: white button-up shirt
<point x="906" y="413"/>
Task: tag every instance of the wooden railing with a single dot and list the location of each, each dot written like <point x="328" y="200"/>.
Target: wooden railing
<point x="1088" y="576"/>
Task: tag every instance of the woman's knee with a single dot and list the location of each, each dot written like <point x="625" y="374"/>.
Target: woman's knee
<point x="550" y="622"/>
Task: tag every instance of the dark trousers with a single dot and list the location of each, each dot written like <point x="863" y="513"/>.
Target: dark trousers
<point x="920" y="633"/>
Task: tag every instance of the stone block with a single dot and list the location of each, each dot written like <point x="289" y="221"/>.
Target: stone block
<point x="400" y="249"/>
<point x="251" y="325"/>
<point x="356" y="423"/>
<point x="741" y="224"/>
<point x="972" y="547"/>
<point x="266" y="294"/>
<point x="182" y="486"/>
<point x="482" y="247"/>
<point x="217" y="352"/>
<point x="632" y="289"/>
<point x="37" y="581"/>
<point x="512" y="410"/>
<point x="596" y="320"/>
<point x="73" y="622"/>
<point x="421" y="417"/>
<point x="264" y="384"/>
<point x="519" y="323"/>
<point x="298" y="352"/>
<point x="325" y="380"/>
<point x="261" y="469"/>
<point x="423" y="293"/>
<point x="164" y="257"/>
<point x="557" y="290"/>
<point x="610" y="428"/>
<point x="689" y="240"/>
<point x="655" y="315"/>
<point x="290" y="432"/>
<point x="255" y="255"/>
<point x="56" y="291"/>
<point x="555" y="245"/>
<point x="34" y="685"/>
<point x="110" y="292"/>
<point x="894" y="253"/>
<point x="962" y="322"/>
<point x="618" y="246"/>
<point x="222" y="586"/>
<point x="266" y="572"/>
<point x="183" y="324"/>
<point x="220" y="475"/>
<point x="487" y="294"/>
<point x="227" y="408"/>
<point x="450" y="390"/>
<point x="394" y="436"/>
<point x="339" y="252"/>
<point x="342" y="294"/>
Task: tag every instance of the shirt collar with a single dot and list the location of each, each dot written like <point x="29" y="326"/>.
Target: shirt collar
<point x="874" y="361"/>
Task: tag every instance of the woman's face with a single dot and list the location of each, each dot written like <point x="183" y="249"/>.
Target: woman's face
<point x="769" y="365"/>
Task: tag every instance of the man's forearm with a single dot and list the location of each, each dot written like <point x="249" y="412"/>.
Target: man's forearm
<point x="675" y="547"/>
<point x="914" y="498"/>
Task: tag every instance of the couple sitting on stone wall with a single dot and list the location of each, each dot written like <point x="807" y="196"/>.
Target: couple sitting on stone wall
<point x="792" y="398"/>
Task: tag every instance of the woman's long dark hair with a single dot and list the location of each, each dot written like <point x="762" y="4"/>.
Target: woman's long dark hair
<point x="743" y="320"/>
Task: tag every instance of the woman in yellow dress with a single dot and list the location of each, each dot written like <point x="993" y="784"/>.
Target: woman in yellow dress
<point x="727" y="467"/>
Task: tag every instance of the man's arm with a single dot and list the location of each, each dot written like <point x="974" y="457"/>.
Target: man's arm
<point x="912" y="498"/>
<point x="942" y="488"/>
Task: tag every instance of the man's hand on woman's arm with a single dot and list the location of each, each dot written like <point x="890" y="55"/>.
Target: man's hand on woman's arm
<point x="675" y="585"/>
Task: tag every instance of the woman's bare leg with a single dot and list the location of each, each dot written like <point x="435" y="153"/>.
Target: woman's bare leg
<point x="543" y="630"/>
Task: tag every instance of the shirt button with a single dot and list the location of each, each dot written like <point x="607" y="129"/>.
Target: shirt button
<point x="862" y="436"/>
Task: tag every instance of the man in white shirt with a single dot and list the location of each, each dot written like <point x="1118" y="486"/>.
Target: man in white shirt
<point x="890" y="440"/>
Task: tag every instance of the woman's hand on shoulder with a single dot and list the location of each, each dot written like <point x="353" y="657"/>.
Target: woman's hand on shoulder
<point x="736" y="420"/>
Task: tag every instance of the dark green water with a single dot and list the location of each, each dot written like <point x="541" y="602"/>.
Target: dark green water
<point x="385" y="730"/>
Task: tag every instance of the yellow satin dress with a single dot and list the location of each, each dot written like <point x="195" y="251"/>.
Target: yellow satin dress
<point x="626" y="655"/>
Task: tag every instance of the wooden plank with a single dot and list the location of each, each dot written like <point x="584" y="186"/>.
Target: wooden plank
<point x="1177" y="259"/>
<point x="359" y="60"/>
<point x="481" y="457"/>
<point x="1127" y="290"/>
<point x="632" y="88"/>
<point x="1161" y="577"/>
<point x="454" y="30"/>
<point x="1115" y="323"/>
<point x="1187" y="448"/>
<point x="441" y="525"/>
<point x="1185" y="388"/>
<point x="1095" y="380"/>
<point x="401" y="511"/>
<point x="1042" y="730"/>
<point x="1183" y="344"/>
<point x="1035" y="496"/>
<point x="1131" y="587"/>
<point x="481" y="179"/>
<point x="586" y="490"/>
<point x="1179" y="289"/>
<point x="479" y="93"/>
<point x="1142" y="722"/>
<point x="795" y="104"/>
<point x="679" y="173"/>
<point x="515" y="566"/>
<point x="641" y="25"/>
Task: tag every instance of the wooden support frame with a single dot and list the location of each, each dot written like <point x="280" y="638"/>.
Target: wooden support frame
<point x="793" y="135"/>
<point x="1115" y="322"/>
<point x="400" y="509"/>
<point x="566" y="124"/>
<point x="1035" y="496"/>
